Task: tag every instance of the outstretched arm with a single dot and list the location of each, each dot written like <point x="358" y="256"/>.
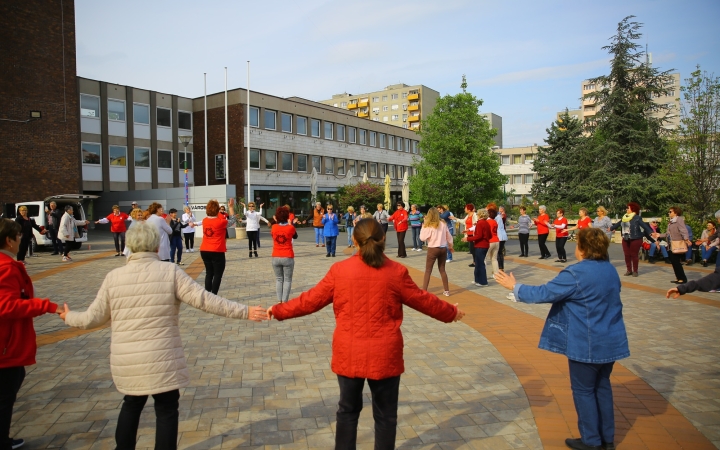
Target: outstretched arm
<point x="97" y="314"/>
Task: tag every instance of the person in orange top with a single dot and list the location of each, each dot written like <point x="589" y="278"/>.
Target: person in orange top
<point x="213" y="247"/>
<point x="542" y="221"/>
<point x="318" y="214"/>
<point x="400" y="222"/>
<point x="470" y="220"/>
<point x="117" y="227"/>
<point x="561" y="235"/>
<point x="367" y="342"/>
<point x="283" y="256"/>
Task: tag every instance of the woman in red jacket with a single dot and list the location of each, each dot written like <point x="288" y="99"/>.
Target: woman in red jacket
<point x="481" y="237"/>
<point x="213" y="246"/>
<point x="367" y="342"/>
<point x="400" y="221"/>
<point x="117" y="228"/>
<point x="17" y="334"/>
<point x="542" y="222"/>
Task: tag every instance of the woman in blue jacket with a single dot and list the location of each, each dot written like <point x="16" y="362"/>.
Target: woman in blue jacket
<point x="330" y="230"/>
<point x="585" y="324"/>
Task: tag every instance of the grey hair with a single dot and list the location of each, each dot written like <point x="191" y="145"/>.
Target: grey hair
<point x="717" y="214"/>
<point x="68" y="208"/>
<point x="482" y="213"/>
<point x="413" y="206"/>
<point x="542" y="207"/>
<point x="143" y="237"/>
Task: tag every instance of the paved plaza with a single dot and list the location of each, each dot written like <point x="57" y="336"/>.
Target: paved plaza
<point x="481" y="383"/>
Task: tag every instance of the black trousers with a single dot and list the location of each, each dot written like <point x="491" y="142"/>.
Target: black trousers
<point x="524" y="247"/>
<point x="189" y="240"/>
<point x="501" y="256"/>
<point x="56" y="243"/>
<point x="560" y="247"/>
<point x="214" y="269"/>
<point x="542" y="238"/>
<point x="166" y="418"/>
<point x="675" y="259"/>
<point x="22" y="251"/>
<point x="252" y="239"/>
<point x="11" y="378"/>
<point x="384" y="403"/>
<point x="67" y="246"/>
<point x="401" y="243"/>
<point x="119" y="239"/>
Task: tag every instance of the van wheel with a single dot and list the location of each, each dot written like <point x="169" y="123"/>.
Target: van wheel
<point x="76" y="245"/>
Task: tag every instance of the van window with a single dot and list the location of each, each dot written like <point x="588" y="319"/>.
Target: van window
<point x="33" y="210"/>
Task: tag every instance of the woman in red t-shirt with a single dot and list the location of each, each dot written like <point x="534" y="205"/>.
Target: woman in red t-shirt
<point x="583" y="222"/>
<point x="561" y="234"/>
<point x="283" y="256"/>
<point x="117" y="228"/>
<point x="213" y="248"/>
<point x="542" y="221"/>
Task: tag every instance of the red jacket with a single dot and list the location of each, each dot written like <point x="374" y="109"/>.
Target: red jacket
<point x="540" y="222"/>
<point x="482" y="234"/>
<point x="493" y="230"/>
<point x="117" y="223"/>
<point x="367" y="342"/>
<point x="400" y="220"/>
<point x="17" y="309"/>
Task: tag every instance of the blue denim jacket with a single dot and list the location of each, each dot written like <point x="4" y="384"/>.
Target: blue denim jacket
<point x="330" y="225"/>
<point x="585" y="322"/>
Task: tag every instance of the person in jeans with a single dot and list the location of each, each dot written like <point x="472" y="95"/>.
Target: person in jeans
<point x="146" y="352"/>
<point x="436" y="233"/>
<point x="382" y="217"/>
<point x="176" y="241"/>
<point x="480" y="236"/>
<point x="542" y="222"/>
<point x="318" y="214"/>
<point x="189" y="232"/>
<point x="676" y="232"/>
<point x="400" y="221"/>
<point x="350" y="218"/>
<point x="415" y="217"/>
<point x="54" y="215"/>
<point x="585" y="323"/>
<point x="18" y="307"/>
<point x="283" y="256"/>
<point x="213" y="246"/>
<point x="330" y="223"/>
<point x="367" y="342"/>
<point x="449" y="219"/>
<point x="524" y="224"/>
<point x="704" y="245"/>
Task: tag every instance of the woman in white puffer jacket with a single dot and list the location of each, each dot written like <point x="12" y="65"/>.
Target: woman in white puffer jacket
<point x="143" y="300"/>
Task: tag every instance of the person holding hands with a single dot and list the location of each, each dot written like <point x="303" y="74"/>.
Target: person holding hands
<point x="400" y="221"/>
<point x="440" y="242"/>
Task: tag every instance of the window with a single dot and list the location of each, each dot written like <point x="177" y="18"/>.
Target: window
<point x="529" y="158"/>
<point x="142" y="157"/>
<point x="302" y="125"/>
<point x="335" y="105"/>
<point x="181" y="160"/>
<point x="415" y="147"/>
<point x="404" y="117"/>
<point x="329" y="165"/>
<point x="118" y="156"/>
<point x="589" y="87"/>
<point x="404" y="95"/>
<point x="400" y="173"/>
<point x="286" y="122"/>
<point x="517" y="159"/>
<point x="116" y="110"/>
<point x="352" y="168"/>
<point x="341" y="133"/>
<point x="398" y="144"/>
<point x="405" y="126"/>
<point x="376" y="99"/>
<point x="529" y="179"/>
<point x="270" y="160"/>
<point x="287" y="162"/>
<point x="254" y="116"/>
<point x="164" y="118"/>
<point x="373" y="170"/>
<point x="343" y="105"/>
<point x="376" y="110"/>
<point x="316" y="160"/>
<point x="383" y="168"/>
<point x="376" y="119"/>
<point x="141" y="113"/>
<point x="517" y="179"/>
<point x="164" y="159"/>
<point x="384" y="98"/>
<point x="270" y="117"/>
<point x="219" y="167"/>
<point x="385" y="118"/>
<point x="184" y="120"/>
<point x="386" y="108"/>
<point x="391" y="171"/>
<point x="382" y="140"/>
<point x="363" y="167"/>
<point x="91" y="153"/>
<point x="302" y="163"/>
<point x="395" y="117"/>
<point x="89" y="106"/>
<point x="314" y="128"/>
<point x="351" y="135"/>
<point x="254" y="159"/>
<point x="372" y="138"/>
<point x="394" y="97"/>
<point x="340" y="167"/>
<point x="363" y="137"/>
<point x="395" y="107"/>
<point x="505" y="159"/>
<point x="329" y="130"/>
<point x="391" y="143"/>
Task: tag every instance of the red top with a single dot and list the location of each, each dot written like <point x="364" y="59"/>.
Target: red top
<point x="282" y="236"/>
<point x="561" y="226"/>
<point x="493" y="230"/>
<point x="400" y="220"/>
<point x="367" y="342"/>
<point x="214" y="234"/>
<point x="468" y="224"/>
<point x="540" y="222"/>
<point x="117" y="223"/>
<point x="291" y="218"/>
<point x="584" y="223"/>
<point x="17" y="309"/>
<point x="482" y="234"/>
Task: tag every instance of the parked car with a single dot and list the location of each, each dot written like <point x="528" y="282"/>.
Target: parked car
<point x="36" y="210"/>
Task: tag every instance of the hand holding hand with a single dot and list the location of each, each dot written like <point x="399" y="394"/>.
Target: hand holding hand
<point x="673" y="292"/>
<point x="464" y="239"/>
<point x="269" y="313"/>
<point x="63" y="313"/>
<point x="460" y="314"/>
<point x="506" y="280"/>
<point x="655" y="235"/>
<point x="256" y="314"/>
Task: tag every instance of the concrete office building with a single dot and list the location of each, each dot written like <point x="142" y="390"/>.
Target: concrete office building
<point x="496" y="124"/>
<point x="288" y="138"/>
<point x="517" y="164"/>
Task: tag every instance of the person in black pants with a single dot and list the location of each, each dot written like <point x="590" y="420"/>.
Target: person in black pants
<point x="54" y="215"/>
<point x="27" y="224"/>
<point x="166" y="414"/>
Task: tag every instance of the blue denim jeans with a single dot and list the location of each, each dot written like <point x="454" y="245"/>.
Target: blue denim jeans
<point x="452" y="233"/>
<point x="319" y="237"/>
<point x="416" y="242"/>
<point x="349" y="233"/>
<point x="593" y="397"/>
<point x="330" y="243"/>
<point x="653" y="249"/>
<point x="706" y="254"/>
<point x="480" y="273"/>
<point x="176" y="246"/>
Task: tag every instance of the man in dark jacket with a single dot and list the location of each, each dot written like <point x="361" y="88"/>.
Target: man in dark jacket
<point x="54" y="215"/>
<point x="708" y="283"/>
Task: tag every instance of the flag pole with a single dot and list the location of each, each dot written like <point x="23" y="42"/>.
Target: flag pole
<point x="227" y="175"/>
<point x="207" y="180"/>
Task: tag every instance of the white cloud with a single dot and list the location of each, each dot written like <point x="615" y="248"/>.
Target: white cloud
<point x="545" y="73"/>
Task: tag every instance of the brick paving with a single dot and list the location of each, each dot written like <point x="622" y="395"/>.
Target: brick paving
<point x="478" y="384"/>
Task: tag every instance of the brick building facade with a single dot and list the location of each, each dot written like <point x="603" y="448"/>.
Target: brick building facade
<point x="38" y="158"/>
<point x="216" y="143"/>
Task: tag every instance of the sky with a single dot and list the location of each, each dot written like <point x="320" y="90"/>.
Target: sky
<point x="525" y="59"/>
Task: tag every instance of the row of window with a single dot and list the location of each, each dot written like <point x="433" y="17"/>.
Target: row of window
<point x="92" y="155"/>
<point x="90" y="107"/>
<point x="331" y="131"/>
<point x="374" y="99"/>
<point x="517" y="159"/>
<point x="323" y="165"/>
<point x="518" y="179"/>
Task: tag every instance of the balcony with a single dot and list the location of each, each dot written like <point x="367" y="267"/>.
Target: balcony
<point x="363" y="103"/>
<point x="352" y="106"/>
<point x="414" y="126"/>
<point x="364" y="113"/>
<point x="414" y="118"/>
<point x="414" y="107"/>
<point x="415" y="96"/>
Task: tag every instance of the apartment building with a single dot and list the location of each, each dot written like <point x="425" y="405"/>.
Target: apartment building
<point x="130" y="138"/>
<point x="517" y="164"/>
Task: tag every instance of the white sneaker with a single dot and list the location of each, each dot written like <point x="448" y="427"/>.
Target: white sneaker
<point x="449" y="261"/>
<point x="65" y="258"/>
<point x="511" y="296"/>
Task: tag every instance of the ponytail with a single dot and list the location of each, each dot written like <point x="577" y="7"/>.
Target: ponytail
<point x="371" y="239"/>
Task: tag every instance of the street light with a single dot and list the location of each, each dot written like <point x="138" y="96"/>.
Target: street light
<point x="185" y="140"/>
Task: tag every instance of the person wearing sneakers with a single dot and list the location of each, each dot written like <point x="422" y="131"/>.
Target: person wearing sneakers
<point x="189" y="232"/>
<point x="176" y="243"/>
<point x="542" y="222"/>
<point x="524" y="225"/>
<point x="68" y="231"/>
<point x="400" y="221"/>
<point x="283" y="256"/>
<point x="253" y="219"/>
<point x="330" y="230"/>
<point x="439" y="242"/>
<point x="318" y="214"/>
<point x="18" y="307"/>
<point x="117" y="227"/>
<point x="449" y="219"/>
<point x="415" y="217"/>
<point x="560" y="224"/>
<point x="480" y="236"/>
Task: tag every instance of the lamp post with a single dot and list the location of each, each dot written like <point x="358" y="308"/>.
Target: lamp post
<point x="185" y="140"/>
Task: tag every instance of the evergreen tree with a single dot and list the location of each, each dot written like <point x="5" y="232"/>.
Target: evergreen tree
<point x="457" y="163"/>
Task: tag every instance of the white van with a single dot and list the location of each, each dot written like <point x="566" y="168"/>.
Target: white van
<point x="36" y="210"/>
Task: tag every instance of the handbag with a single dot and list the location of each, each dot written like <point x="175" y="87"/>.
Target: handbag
<point x="678" y="247"/>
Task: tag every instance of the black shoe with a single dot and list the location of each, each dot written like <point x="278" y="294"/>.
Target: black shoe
<point x="333" y="255"/>
<point x="563" y="260"/>
<point x="608" y="446"/>
<point x="328" y="255"/>
<point x="117" y="254"/>
<point x="543" y="257"/>
<point x="667" y="261"/>
<point x="628" y="273"/>
<point x="16" y="443"/>
<point x="53" y="254"/>
<point x="704" y="263"/>
<point x="651" y="260"/>
<point x="471" y="265"/>
<point x="250" y="255"/>
<point x="558" y="260"/>
<point x="577" y="444"/>
<point x="256" y="255"/>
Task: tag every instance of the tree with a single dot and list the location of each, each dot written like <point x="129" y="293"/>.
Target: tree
<point x="368" y="194"/>
<point x="556" y="165"/>
<point x="456" y="164"/>
<point x="692" y="173"/>
<point x="626" y="147"/>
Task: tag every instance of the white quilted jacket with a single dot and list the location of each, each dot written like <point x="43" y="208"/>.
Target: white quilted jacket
<point x="143" y="301"/>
